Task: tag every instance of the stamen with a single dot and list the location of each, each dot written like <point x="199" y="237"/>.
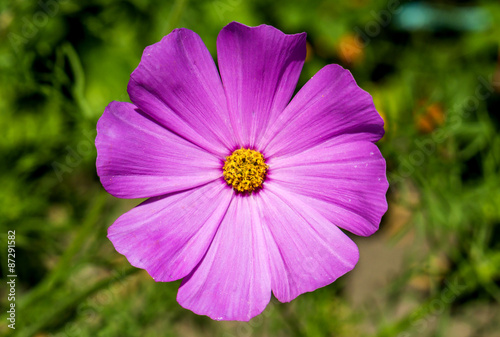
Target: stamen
<point x="245" y="170"/>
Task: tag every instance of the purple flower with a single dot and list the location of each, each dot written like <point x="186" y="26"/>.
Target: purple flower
<point x="248" y="189"/>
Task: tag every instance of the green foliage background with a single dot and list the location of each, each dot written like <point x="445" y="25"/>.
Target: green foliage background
<point x="436" y="82"/>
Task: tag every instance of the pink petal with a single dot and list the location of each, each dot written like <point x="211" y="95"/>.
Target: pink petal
<point x="306" y="251"/>
<point x="232" y="282"/>
<point x="260" y="67"/>
<point x="138" y="158"/>
<point x="343" y="180"/>
<point x="177" y="84"/>
<point x="330" y="104"/>
<point x="168" y="236"/>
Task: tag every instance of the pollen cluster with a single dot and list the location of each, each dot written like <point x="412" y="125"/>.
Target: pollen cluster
<point x="245" y="170"/>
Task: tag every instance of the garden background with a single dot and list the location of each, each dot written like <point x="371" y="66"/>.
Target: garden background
<point x="433" y="68"/>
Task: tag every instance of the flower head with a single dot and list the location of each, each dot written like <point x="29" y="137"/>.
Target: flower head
<point x="247" y="188"/>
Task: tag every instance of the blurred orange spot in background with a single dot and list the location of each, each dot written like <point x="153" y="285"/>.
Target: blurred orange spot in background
<point x="432" y="118"/>
<point x="309" y="52"/>
<point x="350" y="49"/>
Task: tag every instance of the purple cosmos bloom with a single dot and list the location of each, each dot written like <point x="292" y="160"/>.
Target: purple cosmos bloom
<point x="248" y="188"/>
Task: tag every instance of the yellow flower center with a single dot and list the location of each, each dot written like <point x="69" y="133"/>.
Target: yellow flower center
<point x="245" y="170"/>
